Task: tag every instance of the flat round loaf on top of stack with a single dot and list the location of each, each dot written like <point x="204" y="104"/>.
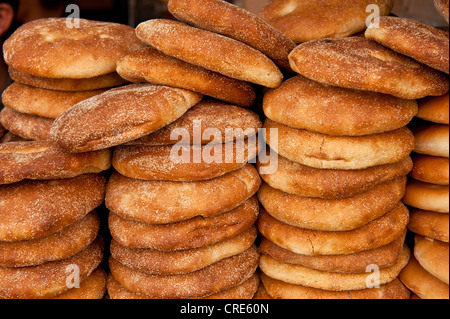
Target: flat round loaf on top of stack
<point x="336" y="111"/>
<point x="359" y="63"/>
<point x="45" y="161"/>
<point x="44" y="48"/>
<point x="160" y="202"/>
<point x="119" y="116"/>
<point x="236" y="23"/>
<point x="414" y="39"/>
<point x="304" y="20"/>
<point x="152" y="66"/>
<point x="227" y="122"/>
<point x="41" y="102"/>
<point x="211" y="51"/>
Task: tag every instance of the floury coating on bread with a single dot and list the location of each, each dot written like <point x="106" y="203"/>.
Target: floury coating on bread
<point x="29" y="127"/>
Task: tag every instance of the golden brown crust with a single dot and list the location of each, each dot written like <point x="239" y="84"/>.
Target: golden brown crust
<point x="383" y="257"/>
<point x="236" y="23"/>
<point x="206" y="116"/>
<point x="332" y="214"/>
<point x="41" y="102"/>
<point x="427" y="196"/>
<point x="304" y="20"/>
<point x="422" y="283"/>
<point x="414" y="39"/>
<point x="49" y="206"/>
<point x="378" y="233"/>
<point x="210" y="50"/>
<point x="262" y="294"/>
<point x="433" y="256"/>
<point x="340" y="152"/>
<point x="61" y="245"/>
<point x="299" y="275"/>
<point x="297" y="179"/>
<point x="429" y="224"/>
<point x="44" y="160"/>
<point x="46" y="48"/>
<point x="161" y="202"/>
<point x="358" y="63"/>
<point x="49" y="280"/>
<point x="434" y="109"/>
<point x="281" y="290"/>
<point x="120" y="115"/>
<point x="10" y="137"/>
<point x="152" y="66"/>
<point x="218" y="277"/>
<point x="431" y="169"/>
<point x="68" y="85"/>
<point x="29" y="127"/>
<point x="442" y="7"/>
<point x="432" y="140"/>
<point x="93" y="287"/>
<point x="245" y="290"/>
<point x="193" y="233"/>
<point x="305" y="104"/>
<point x="160" y="163"/>
<point x="161" y="263"/>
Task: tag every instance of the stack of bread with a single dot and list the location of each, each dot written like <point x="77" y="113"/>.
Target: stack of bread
<point x="50" y="240"/>
<point x="427" y="194"/>
<point x="333" y="223"/>
<point x="182" y="198"/>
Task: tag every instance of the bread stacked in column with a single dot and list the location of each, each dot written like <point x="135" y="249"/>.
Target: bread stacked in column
<point x="334" y="225"/>
<point x="182" y="201"/>
<point x="50" y="241"/>
<point x="427" y="192"/>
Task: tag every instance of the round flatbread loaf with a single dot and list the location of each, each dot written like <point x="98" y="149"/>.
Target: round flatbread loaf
<point x="305" y="104"/>
<point x="413" y="39"/>
<point x="119" y="116"/>
<point x="430" y="224"/>
<point x="29" y="127"/>
<point x="378" y="233"/>
<point x="152" y="66"/>
<point x="332" y="214"/>
<point x="189" y="163"/>
<point x="432" y="140"/>
<point x="162" y="202"/>
<point x="339" y="152"/>
<point x="46" y="161"/>
<point x="51" y="48"/>
<point x="206" y="123"/>
<point x="301" y="180"/>
<point x="427" y="196"/>
<point x="434" y="109"/>
<point x="358" y="63"/>
<point x="433" y="256"/>
<point x="431" y="169"/>
<point x="304" y="20"/>
<point x="210" y="50"/>
<point x="36" y="209"/>
<point x="237" y="23"/>
<point x="41" y="102"/>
